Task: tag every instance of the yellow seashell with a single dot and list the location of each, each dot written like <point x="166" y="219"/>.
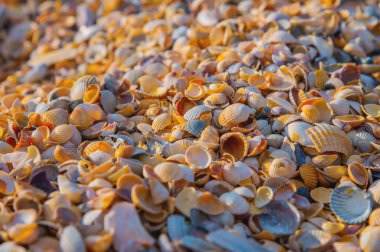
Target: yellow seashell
<point x="210" y="204"/>
<point x="358" y="174"/>
<point x="264" y="195"/>
<point x="321" y="195"/>
<point x="81" y="118"/>
<point x="234" y="115"/>
<point x="198" y="157"/>
<point x="168" y="172"/>
<point x="315" y="110"/>
<point x="92" y="94"/>
<point x="62" y="133"/>
<point x="194" y="92"/>
<point x="80" y="86"/>
<point x="309" y="175"/>
<point x="55" y="116"/>
<point x="141" y="198"/>
<point x="372" y="110"/>
<point x="161" y="122"/>
<point x="186" y="200"/>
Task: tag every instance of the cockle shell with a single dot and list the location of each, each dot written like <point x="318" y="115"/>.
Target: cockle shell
<point x="235" y="203"/>
<point x="92" y="94"/>
<point x="372" y="110"/>
<point x="186" y="200"/>
<point x="55" y="117"/>
<point x="234" y="114"/>
<point x="80" y="86"/>
<point x="62" y="133"/>
<point x="358" y="174"/>
<point x="297" y="132"/>
<point x="315" y="110"/>
<point x="168" y="172"/>
<point x="161" y="122"/>
<point x="71" y="240"/>
<point x="81" y="118"/>
<point x="280" y="122"/>
<point x="234" y="144"/>
<point x="198" y="157"/>
<point x="309" y="175"/>
<point x="281" y="37"/>
<point x="210" y="204"/>
<point x="282" y="167"/>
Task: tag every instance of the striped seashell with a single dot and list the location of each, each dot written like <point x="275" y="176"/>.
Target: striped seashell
<point x="209" y="138"/>
<point x="353" y="120"/>
<point x="329" y="138"/>
<point x="234" y="114"/>
<point x="280" y="122"/>
<point x="92" y="94"/>
<point x="195" y="127"/>
<point x="351" y="204"/>
<point x="62" y="133"/>
<point x="81" y="85"/>
<point x="282" y="167"/>
<point x="197" y="112"/>
<point x="340" y="106"/>
<point x="234" y="144"/>
<point x="161" y="122"/>
<point x="363" y="141"/>
<point x="71" y="240"/>
<point x="216" y="101"/>
<point x="296" y="131"/>
<point x="55" y="117"/>
<point x="309" y="175"/>
<point x="315" y="110"/>
<point x="281" y="37"/>
<point x="284" y="104"/>
<point x="81" y="118"/>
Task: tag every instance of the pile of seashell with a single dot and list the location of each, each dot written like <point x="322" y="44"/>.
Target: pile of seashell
<point x="190" y="125"/>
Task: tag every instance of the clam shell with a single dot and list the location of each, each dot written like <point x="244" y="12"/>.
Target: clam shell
<point x="62" y="133"/>
<point x="351" y="204"/>
<point x="312" y="240"/>
<point x="71" y="240"/>
<point x="81" y="118"/>
<point x="352" y="120"/>
<point x="282" y="167"/>
<point x="329" y="138"/>
<point x="80" y="87"/>
<point x="297" y="132"/>
<point x="234" y="144"/>
<point x="55" y="117"/>
<point x="186" y="200"/>
<point x="216" y="101"/>
<point x="141" y="198"/>
<point x="168" y="172"/>
<point x="358" y="174"/>
<point x="234" y="114"/>
<point x="195" y="127"/>
<point x="280" y="122"/>
<point x="92" y="94"/>
<point x="309" y="175"/>
<point x="280" y="212"/>
<point x="198" y="157"/>
<point x="340" y="106"/>
<point x="372" y="110"/>
<point x="197" y="112"/>
<point x="235" y="203"/>
<point x="315" y="110"/>
<point x="321" y="195"/>
<point x="210" y="204"/>
<point x="161" y="122"/>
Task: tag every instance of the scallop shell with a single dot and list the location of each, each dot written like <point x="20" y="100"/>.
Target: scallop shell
<point x="161" y="122"/>
<point x="81" y="85"/>
<point x="198" y="112"/>
<point x="209" y="138"/>
<point x="309" y="175"/>
<point x="62" y="133"/>
<point x="55" y="117"/>
<point x="81" y="118"/>
<point x="282" y="121"/>
<point x="351" y="204"/>
<point x="281" y="36"/>
<point x="195" y="127"/>
<point x="210" y="204"/>
<point x="280" y="212"/>
<point x="279" y="102"/>
<point x="234" y="114"/>
<point x="234" y="144"/>
<point x="315" y="110"/>
<point x="329" y="138"/>
<point x="197" y="157"/>
<point x="264" y="195"/>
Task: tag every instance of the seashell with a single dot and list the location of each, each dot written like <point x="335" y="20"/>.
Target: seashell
<point x="22" y="227"/>
<point x="194" y="92"/>
<point x="161" y="122"/>
<point x="351" y="204"/>
<point x="309" y="175"/>
<point x="281" y="37"/>
<point x="325" y="160"/>
<point x="358" y="174"/>
<point x="282" y="167"/>
<point x="340" y="106"/>
<point x="27" y="202"/>
<point x="234" y="144"/>
<point x="282" y="80"/>
<point x="5" y="148"/>
<point x="81" y="118"/>
<point x="141" y="198"/>
<point x="98" y="242"/>
<point x="315" y="110"/>
<point x="234" y="114"/>
<point x="283" y="188"/>
<point x="236" y="204"/>
<point x="264" y="195"/>
<point x="195" y="127"/>
<point x="209" y="204"/>
<point x="353" y="120"/>
<point x="197" y="157"/>
<point x="329" y="138"/>
<point x="372" y="110"/>
<point x="275" y="140"/>
<point x="369" y="238"/>
<point x="355" y="50"/>
<point x="374" y="218"/>
<point x="55" y="117"/>
<point x="324" y="48"/>
<point x="72" y="190"/>
<point x="256" y="100"/>
<point x="216" y="101"/>
<point x="177" y="227"/>
<point x="320" y="195"/>
<point x="92" y="94"/>
<point x="186" y="200"/>
<point x="80" y="86"/>
<point x="274" y="102"/>
<point x="297" y="132"/>
<point x="280" y="212"/>
<point x="198" y="112"/>
<point x="108" y="101"/>
<point x="7" y="184"/>
<point x="62" y="133"/>
<point x="312" y="240"/>
<point x="196" y="244"/>
<point x="282" y="121"/>
<point x="363" y="140"/>
<point x="71" y="240"/>
<point x="168" y="172"/>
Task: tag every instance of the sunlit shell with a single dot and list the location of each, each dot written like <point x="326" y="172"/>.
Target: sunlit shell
<point x="282" y="80"/>
<point x="161" y="122"/>
<point x="81" y="118"/>
<point x="329" y="138"/>
<point x="209" y="138"/>
<point x="5" y="147"/>
<point x="280" y="212"/>
<point x="98" y="242"/>
<point x="168" y="172"/>
<point x="198" y="112"/>
<point x="62" y="133"/>
<point x="56" y="117"/>
<point x="194" y="92"/>
<point x="374" y="218"/>
<point x="325" y="160"/>
<point x="283" y="188"/>
<point x="282" y="167"/>
<point x="80" y="86"/>
<point x="309" y="175"/>
<point x="92" y="94"/>
<point x="280" y="122"/>
<point x="351" y="204"/>
<point x="210" y="204"/>
<point x="358" y="174"/>
<point x="297" y="132"/>
<point x="198" y="157"/>
<point x="7" y="184"/>
<point x="372" y="110"/>
<point x="311" y="240"/>
<point x="234" y="144"/>
<point x="195" y="127"/>
<point x="264" y="195"/>
<point x="234" y="114"/>
<point x="186" y="200"/>
<point x="141" y="198"/>
<point x="235" y="203"/>
<point x="274" y="102"/>
<point x="315" y="110"/>
<point x="340" y="106"/>
<point x="27" y="202"/>
<point x="281" y="37"/>
<point x="352" y="120"/>
<point x="320" y="194"/>
<point x="216" y="101"/>
<point x="369" y="238"/>
<point x="71" y="240"/>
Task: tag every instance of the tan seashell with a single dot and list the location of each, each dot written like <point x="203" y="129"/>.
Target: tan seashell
<point x="321" y="195"/>
<point x="282" y="80"/>
<point x="194" y="92"/>
<point x="168" y="172"/>
<point x="80" y="87"/>
<point x="71" y="240"/>
<point x="355" y="50"/>
<point x="72" y="190"/>
<point x="27" y="202"/>
<point x="62" y="133"/>
<point x="209" y="204"/>
<point x="216" y="101"/>
<point x="142" y="199"/>
<point x="282" y="167"/>
<point x="161" y="122"/>
<point x="209" y="138"/>
<point x="5" y="148"/>
<point x="55" y="117"/>
<point x="325" y="160"/>
<point x="235" y="203"/>
<point x="280" y="122"/>
<point x="352" y="120"/>
<point x="279" y="102"/>
<point x="98" y="243"/>
<point x="340" y="106"/>
<point x="234" y="114"/>
<point x="186" y="200"/>
<point x="372" y="110"/>
<point x="127" y="181"/>
<point x="296" y="132"/>
<point x="7" y="184"/>
<point x="234" y="144"/>
<point x="281" y="37"/>
<point x="264" y="195"/>
<point x="358" y="174"/>
<point x="92" y="94"/>
<point x="374" y="218"/>
<point x="329" y="138"/>
<point x="309" y="175"/>
<point x="315" y="110"/>
<point x="369" y="238"/>
<point x="22" y="226"/>
<point x="81" y="118"/>
<point x="198" y="157"/>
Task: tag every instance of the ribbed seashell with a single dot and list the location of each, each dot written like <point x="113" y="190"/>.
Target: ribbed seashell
<point x="80" y="87"/>
<point x="235" y="203"/>
<point x="281" y="36"/>
<point x="315" y="110"/>
<point x="62" y="133"/>
<point x="201" y="112"/>
<point x="325" y="160"/>
<point x="195" y="127"/>
<point x="309" y="175"/>
<point x="168" y="172"/>
<point x="71" y="240"/>
<point x="321" y="195"/>
<point x="22" y="227"/>
<point x="209" y="138"/>
<point x="329" y="138"/>
<point x="161" y="122"/>
<point x="216" y="101"/>
<point x="369" y="238"/>
<point x="351" y="204"/>
<point x="81" y="118"/>
<point x="55" y="117"/>
<point x="264" y="195"/>
<point x="234" y="114"/>
<point x="358" y="174"/>
<point x="363" y="141"/>
<point x="280" y="212"/>
<point x="256" y="145"/>
<point x="275" y="140"/>
<point x="209" y="204"/>
<point x="296" y="131"/>
<point x="94" y="110"/>
<point x="280" y="122"/>
<point x="234" y="144"/>
<point x="282" y="167"/>
<point x="372" y="110"/>
<point x="313" y="240"/>
<point x="279" y="102"/>
<point x="352" y="120"/>
<point x="198" y="157"/>
<point x="256" y="100"/>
